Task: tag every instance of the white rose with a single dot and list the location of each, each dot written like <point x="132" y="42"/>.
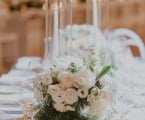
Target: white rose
<point x="97" y="106"/>
<point x="53" y="89"/>
<point x="69" y="108"/>
<point x="56" y="93"/>
<point x="58" y="98"/>
<point x="63" y="108"/>
<point x="107" y="95"/>
<point x="38" y="94"/>
<point x="38" y="80"/>
<point x="65" y="79"/>
<point x="84" y="78"/>
<point x="82" y="93"/>
<point x="46" y="79"/>
<point x="60" y="107"/>
<point x="70" y="96"/>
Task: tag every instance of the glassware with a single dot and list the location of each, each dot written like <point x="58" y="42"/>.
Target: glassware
<point x="56" y="21"/>
<point x="97" y="14"/>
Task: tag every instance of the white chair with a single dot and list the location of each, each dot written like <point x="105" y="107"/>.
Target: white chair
<point x="130" y="38"/>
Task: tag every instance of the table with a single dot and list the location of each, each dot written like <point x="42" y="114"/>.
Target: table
<point x="128" y="105"/>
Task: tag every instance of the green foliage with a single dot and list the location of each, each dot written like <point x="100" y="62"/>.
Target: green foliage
<point x="80" y="105"/>
<point x="72" y="68"/>
<point x="49" y="113"/>
<point x="104" y="71"/>
<point x="92" y="65"/>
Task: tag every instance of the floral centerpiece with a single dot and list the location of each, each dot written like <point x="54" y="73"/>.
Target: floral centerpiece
<point x="72" y="89"/>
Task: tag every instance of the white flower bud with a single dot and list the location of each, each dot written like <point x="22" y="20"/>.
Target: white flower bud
<point x="82" y="93"/>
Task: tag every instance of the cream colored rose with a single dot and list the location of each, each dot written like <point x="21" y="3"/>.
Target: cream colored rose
<point x="69" y="108"/>
<point x="53" y="89"/>
<point x="58" y="98"/>
<point x="97" y="106"/>
<point x="70" y="96"/>
<point x="66" y="79"/>
<point x="60" y="107"/>
<point x="38" y="80"/>
<point x="107" y="95"/>
<point x="63" y="108"/>
<point x="44" y="78"/>
<point x="84" y="78"/>
<point x="38" y="94"/>
<point x="56" y="93"/>
<point x="82" y="93"/>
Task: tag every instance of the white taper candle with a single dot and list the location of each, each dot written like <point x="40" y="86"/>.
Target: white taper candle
<point x="56" y="32"/>
<point x="95" y="14"/>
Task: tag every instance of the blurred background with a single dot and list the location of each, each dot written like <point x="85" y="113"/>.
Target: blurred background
<point x="22" y="25"/>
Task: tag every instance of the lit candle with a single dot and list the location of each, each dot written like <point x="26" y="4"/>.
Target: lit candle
<point x="56" y="31"/>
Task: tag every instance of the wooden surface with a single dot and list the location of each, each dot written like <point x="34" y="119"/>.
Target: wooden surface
<point x="8" y="51"/>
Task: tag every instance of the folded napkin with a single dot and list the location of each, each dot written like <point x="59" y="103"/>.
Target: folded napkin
<point x="28" y="66"/>
<point x="20" y="72"/>
<point x="30" y="59"/>
<point x="7" y="79"/>
<point x="10" y="116"/>
<point x="11" y="109"/>
<point x="9" y="89"/>
<point x="9" y="99"/>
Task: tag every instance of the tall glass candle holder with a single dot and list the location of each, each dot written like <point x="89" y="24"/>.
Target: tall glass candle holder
<point x="55" y="21"/>
<point x="97" y="13"/>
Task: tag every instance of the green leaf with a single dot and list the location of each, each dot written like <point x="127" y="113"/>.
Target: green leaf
<point x="72" y="68"/>
<point x="104" y="71"/>
<point x="92" y="65"/>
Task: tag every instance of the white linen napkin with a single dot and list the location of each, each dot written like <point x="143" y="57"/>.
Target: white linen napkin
<point x="7" y="79"/>
<point x="18" y="72"/>
<point x="9" y="89"/>
<point x="9" y="99"/>
<point x="28" y="66"/>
